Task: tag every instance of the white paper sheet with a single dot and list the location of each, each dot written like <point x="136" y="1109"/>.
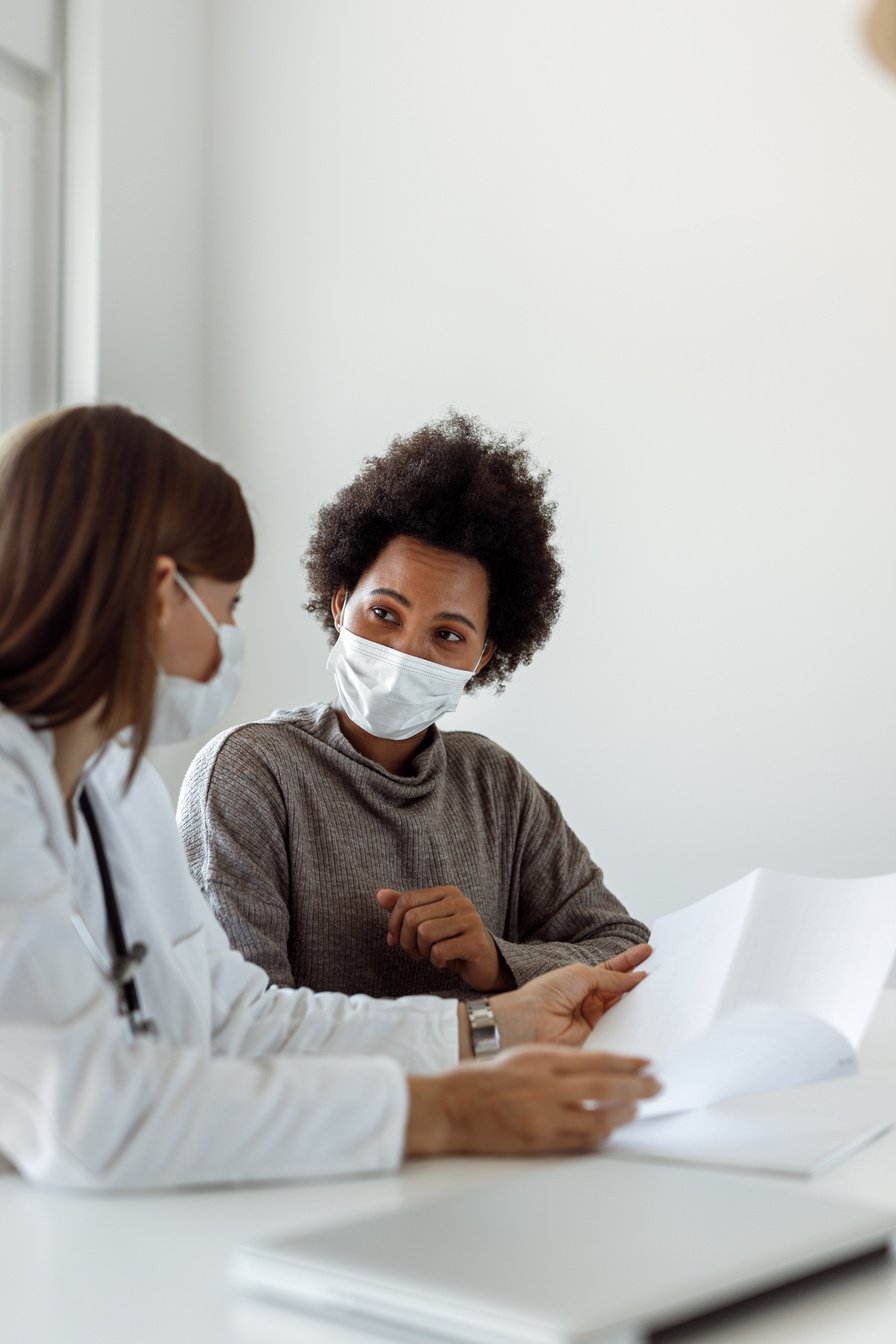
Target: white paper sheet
<point x="817" y="945"/>
<point x="800" y="1132"/>
<point x="769" y="983"/>
<point x="757" y="1048"/>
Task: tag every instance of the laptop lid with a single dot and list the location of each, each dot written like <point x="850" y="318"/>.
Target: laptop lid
<point x="576" y="1251"/>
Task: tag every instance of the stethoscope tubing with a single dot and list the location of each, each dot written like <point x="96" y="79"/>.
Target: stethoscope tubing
<point x="127" y="957"/>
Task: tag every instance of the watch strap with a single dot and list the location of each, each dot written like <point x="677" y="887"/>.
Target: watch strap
<point x="486" y="1038"/>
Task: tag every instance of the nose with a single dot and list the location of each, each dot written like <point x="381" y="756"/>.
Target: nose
<point x="410" y="641"/>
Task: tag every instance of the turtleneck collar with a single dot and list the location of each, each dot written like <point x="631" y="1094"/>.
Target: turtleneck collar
<point x="426" y="768"/>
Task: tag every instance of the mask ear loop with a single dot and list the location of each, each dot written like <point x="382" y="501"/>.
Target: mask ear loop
<point x="341" y="624"/>
<point x="480" y="658"/>
<point x="197" y="601"/>
<point x="189" y="591"/>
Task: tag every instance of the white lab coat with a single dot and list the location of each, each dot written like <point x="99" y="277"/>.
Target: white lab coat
<point x="244" y="1082"/>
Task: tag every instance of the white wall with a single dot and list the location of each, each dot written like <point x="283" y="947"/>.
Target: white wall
<point x="135" y="219"/>
<point x="30" y="89"/>
<point x="153" y="220"/>
<point x="28" y="33"/>
<point x="135" y="225"/>
<point x="659" y="238"/>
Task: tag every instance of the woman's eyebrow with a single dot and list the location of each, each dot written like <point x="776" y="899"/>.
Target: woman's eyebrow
<point x="391" y="592"/>
<point x="455" y="616"/>
<point x="406" y="602"/>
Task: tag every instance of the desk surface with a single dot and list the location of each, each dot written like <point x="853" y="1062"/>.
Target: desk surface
<point x="85" y="1269"/>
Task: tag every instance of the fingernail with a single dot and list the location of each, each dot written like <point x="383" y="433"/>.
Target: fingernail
<point x="390" y="941"/>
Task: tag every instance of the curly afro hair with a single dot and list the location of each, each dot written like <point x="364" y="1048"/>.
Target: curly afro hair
<point x="456" y="485"/>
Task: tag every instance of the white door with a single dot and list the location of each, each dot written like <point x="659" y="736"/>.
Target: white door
<point x="25" y="359"/>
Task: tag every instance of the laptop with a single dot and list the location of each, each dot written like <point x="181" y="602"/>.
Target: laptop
<point x="577" y="1251"/>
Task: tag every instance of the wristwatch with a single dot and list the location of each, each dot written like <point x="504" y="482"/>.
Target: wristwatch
<point x="483" y="1028"/>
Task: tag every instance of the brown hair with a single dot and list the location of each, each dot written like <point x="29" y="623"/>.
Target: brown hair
<point x="89" y="497"/>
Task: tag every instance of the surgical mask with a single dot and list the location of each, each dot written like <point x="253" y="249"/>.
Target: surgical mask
<point x="392" y="694"/>
<point x="184" y="707"/>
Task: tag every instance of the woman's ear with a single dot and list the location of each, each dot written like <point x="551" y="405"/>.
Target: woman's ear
<point x="487" y="653"/>
<point x="165" y="592"/>
<point x="337" y="604"/>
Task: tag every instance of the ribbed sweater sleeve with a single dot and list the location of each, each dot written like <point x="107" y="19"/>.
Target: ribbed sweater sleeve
<point x="232" y="818"/>
<point x="566" y="914"/>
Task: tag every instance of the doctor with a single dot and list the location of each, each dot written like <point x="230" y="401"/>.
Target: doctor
<point x="137" y="1049"/>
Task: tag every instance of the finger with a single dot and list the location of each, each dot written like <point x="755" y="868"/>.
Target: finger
<point x="386" y="897"/>
<point x="406" y="937"/>
<point x="594" y="1126"/>
<point x="441" y="929"/>
<point x="445" y="909"/>
<point x="587" y="1062"/>
<point x="629" y="959"/>
<point x="572" y="1136"/>
<point x="417" y="917"/>
<point x="465" y="947"/>
<point x="595" y="1005"/>
<point x="566" y="1060"/>
<point x="575" y="1129"/>
<point x="610" y="1089"/>
<point x="605" y="981"/>
<point x="446" y="918"/>
<point x="408" y="901"/>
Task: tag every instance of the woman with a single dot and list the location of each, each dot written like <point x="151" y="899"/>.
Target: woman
<point x="354" y="847"/>
<point x="137" y="1049"/>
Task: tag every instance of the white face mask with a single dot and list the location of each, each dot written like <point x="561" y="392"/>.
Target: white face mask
<point x="392" y="694"/>
<point x="184" y="707"/>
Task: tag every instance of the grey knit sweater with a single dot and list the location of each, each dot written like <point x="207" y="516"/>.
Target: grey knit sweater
<point x="290" y="831"/>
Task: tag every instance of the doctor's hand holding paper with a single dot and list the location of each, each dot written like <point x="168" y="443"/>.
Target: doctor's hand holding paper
<point x="137" y="1049"/>
<point x="564" y="1006"/>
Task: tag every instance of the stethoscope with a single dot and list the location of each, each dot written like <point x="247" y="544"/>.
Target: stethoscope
<point x="123" y="967"/>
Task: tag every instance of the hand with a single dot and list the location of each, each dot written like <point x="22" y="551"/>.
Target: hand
<point x="442" y="925"/>
<point x="562" y="1007"/>
<point x="533" y="1100"/>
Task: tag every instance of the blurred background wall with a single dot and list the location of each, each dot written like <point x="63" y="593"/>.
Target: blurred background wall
<point x="656" y="236"/>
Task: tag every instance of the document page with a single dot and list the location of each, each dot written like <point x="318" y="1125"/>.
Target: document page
<point x="757" y="1048"/>
<point x="766" y="984"/>
<point x="686" y="976"/>
<point x="817" y="945"/>
<point x="800" y="1132"/>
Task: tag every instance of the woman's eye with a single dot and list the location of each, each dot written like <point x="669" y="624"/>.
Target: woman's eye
<point x="450" y="636"/>
<point x="383" y="613"/>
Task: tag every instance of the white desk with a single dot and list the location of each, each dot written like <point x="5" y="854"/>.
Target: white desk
<point x="142" y="1269"/>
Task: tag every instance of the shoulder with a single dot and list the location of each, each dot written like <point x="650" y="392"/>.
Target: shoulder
<point x="144" y="797"/>
<point x="476" y="764"/>
<point x="262" y="740"/>
<point x="259" y="755"/>
<point x="27" y="782"/>
<point x="472" y="752"/>
<point x="35" y="847"/>
<point x="22" y="748"/>
<point x="139" y="830"/>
